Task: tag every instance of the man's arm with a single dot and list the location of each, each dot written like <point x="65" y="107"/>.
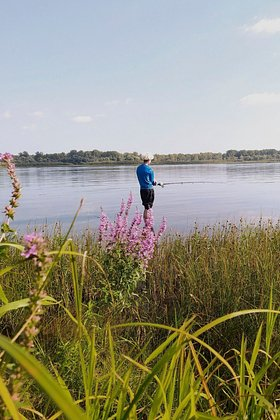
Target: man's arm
<point x="152" y="177"/>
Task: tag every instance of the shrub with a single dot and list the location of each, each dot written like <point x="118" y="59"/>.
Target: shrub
<point x="128" y="248"/>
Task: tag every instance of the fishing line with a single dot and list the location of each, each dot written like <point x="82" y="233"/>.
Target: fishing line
<point x="162" y="184"/>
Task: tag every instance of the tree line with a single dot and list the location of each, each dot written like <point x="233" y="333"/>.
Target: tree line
<point x="75" y="157"/>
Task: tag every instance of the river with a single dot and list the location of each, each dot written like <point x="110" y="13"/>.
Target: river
<point x="208" y="194"/>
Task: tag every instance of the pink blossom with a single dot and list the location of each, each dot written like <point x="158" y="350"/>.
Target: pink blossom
<point x="104" y="226"/>
<point x="129" y="203"/>
<point x="162" y="228"/>
<point x="9" y="211"/>
<point x="5" y="157"/>
<point x="134" y="240"/>
<point x="122" y="209"/>
<point x="35" y="245"/>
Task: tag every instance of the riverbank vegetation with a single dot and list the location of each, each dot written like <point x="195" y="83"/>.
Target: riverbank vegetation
<point x="93" y="157"/>
<point x="169" y="345"/>
<point x="127" y="324"/>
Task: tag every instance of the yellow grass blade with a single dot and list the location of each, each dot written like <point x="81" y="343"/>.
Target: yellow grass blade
<point x="8" y="401"/>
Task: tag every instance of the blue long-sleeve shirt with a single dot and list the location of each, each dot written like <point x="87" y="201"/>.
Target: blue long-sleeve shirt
<point x="145" y="176"/>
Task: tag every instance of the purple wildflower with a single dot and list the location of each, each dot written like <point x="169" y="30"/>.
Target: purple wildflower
<point x="136" y="221"/>
<point x="120" y="225"/>
<point x="103" y="226"/>
<point x="122" y="209"/>
<point x="149" y="222"/>
<point x="129" y="203"/>
<point x="9" y="211"/>
<point x="162" y="228"/>
<point x="134" y="241"/>
<point x="5" y="157"/>
<point x="35" y="247"/>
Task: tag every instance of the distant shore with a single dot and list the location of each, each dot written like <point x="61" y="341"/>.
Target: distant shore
<point x="112" y="157"/>
<point x="154" y="163"/>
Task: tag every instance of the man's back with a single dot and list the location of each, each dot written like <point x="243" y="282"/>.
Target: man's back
<point x="145" y="176"/>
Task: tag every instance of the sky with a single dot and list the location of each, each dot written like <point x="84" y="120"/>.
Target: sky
<point x="159" y="76"/>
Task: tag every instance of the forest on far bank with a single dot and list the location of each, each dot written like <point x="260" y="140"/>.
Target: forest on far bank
<point x="91" y="157"/>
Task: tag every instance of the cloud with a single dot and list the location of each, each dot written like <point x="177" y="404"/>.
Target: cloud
<point x="255" y="99"/>
<point x="267" y="26"/>
<point x="82" y="119"/>
<point x="7" y="115"/>
<point x="99" y="115"/>
<point x="30" y="127"/>
<point x="114" y="102"/>
<point x="128" y="101"/>
<point x="37" y="114"/>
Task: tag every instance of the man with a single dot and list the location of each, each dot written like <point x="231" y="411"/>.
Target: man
<point x="146" y="178"/>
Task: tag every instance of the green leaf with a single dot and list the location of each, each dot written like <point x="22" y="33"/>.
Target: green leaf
<point x="11" y="306"/>
<point x="23" y="303"/>
<point x="41" y="375"/>
<point x="6" y="270"/>
<point x="60" y="379"/>
<point x="150" y="376"/>
<point x="256" y="348"/>
<point x="5" y="228"/>
<point x="3" y="297"/>
<point x="4" y="245"/>
<point x="8" y="401"/>
<point x="231" y="316"/>
<point x="166" y="343"/>
<point x="3" y="252"/>
<point x="10" y="267"/>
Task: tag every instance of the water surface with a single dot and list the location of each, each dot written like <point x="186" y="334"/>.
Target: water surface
<point x="212" y="193"/>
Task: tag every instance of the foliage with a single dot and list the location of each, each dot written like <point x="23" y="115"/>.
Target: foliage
<point x="183" y="377"/>
<point x="80" y="157"/>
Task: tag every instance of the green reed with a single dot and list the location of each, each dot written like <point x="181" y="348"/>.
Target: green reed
<point x="187" y="347"/>
<point x="212" y="272"/>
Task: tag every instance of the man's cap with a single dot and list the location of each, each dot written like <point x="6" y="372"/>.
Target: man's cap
<point x="147" y="156"/>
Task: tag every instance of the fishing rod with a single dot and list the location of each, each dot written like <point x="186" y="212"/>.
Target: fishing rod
<point x="162" y="184"/>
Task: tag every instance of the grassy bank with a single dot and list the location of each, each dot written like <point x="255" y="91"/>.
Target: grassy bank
<point x="157" y="367"/>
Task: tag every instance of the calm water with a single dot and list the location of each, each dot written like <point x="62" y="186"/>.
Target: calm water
<point x="219" y="193"/>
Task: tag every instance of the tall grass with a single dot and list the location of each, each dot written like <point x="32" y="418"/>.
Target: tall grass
<point x="145" y="361"/>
